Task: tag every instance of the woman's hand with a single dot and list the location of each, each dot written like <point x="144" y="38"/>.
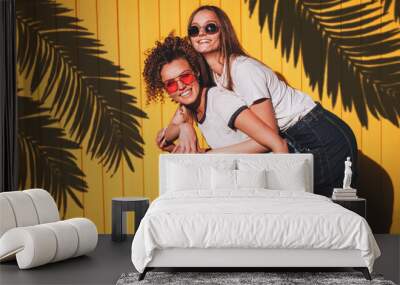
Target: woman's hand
<point x="181" y="116"/>
<point x="160" y="138"/>
<point x="187" y="139"/>
<point x="166" y="136"/>
<point x="162" y="143"/>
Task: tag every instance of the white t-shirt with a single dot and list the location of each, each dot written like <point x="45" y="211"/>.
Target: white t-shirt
<point x="253" y="81"/>
<point x="217" y="125"/>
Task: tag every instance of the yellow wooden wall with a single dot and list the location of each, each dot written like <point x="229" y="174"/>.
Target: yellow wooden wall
<point x="127" y="28"/>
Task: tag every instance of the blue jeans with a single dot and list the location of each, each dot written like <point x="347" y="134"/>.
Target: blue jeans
<point x="331" y="141"/>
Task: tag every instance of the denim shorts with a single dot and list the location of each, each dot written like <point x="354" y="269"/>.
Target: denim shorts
<point x="331" y="141"/>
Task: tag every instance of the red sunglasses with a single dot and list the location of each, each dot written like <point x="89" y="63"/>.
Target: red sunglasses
<point x="171" y="85"/>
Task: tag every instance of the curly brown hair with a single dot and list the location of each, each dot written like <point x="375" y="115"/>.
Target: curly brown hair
<point x="165" y="52"/>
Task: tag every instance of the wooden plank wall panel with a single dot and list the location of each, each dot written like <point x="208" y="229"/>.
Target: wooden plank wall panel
<point x="390" y="164"/>
<point x="325" y="100"/>
<point x="186" y="8"/>
<point x="73" y="209"/>
<point x="108" y="35"/>
<point x="251" y="37"/>
<point x="94" y="198"/>
<point x="129" y="41"/>
<point x="211" y="2"/>
<point x="149" y="33"/>
<point x="36" y="96"/>
<point x="289" y="71"/>
<point x="233" y="8"/>
<point x="370" y="176"/>
<point x="349" y="115"/>
<point x="336" y="106"/>
<point x="390" y="156"/>
<point x="305" y="78"/>
<point x="271" y="54"/>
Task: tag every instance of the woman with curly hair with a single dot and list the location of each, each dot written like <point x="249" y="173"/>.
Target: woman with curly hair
<point x="222" y="117"/>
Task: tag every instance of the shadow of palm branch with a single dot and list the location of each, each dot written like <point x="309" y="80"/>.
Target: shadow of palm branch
<point x="45" y="160"/>
<point x="351" y="46"/>
<point x="396" y="4"/>
<point x="86" y="91"/>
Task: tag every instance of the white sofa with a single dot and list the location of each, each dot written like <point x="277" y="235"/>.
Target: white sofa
<point x="31" y="230"/>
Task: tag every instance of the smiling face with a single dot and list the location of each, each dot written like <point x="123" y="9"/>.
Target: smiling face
<point x="175" y="71"/>
<point x="205" y="43"/>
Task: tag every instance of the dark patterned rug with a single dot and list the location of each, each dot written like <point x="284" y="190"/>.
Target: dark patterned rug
<point x="231" y="278"/>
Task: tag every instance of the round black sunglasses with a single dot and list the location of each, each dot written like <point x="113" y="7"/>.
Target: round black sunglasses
<point x="209" y="29"/>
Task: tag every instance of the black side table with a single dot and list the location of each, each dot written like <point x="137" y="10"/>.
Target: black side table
<point x="120" y="206"/>
<point x="357" y="205"/>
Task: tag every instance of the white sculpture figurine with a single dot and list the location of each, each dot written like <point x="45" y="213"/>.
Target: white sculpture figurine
<point x="347" y="174"/>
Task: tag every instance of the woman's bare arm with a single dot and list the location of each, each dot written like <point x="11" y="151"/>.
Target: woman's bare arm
<point x="265" y="112"/>
<point x="248" y="146"/>
<point x="255" y="128"/>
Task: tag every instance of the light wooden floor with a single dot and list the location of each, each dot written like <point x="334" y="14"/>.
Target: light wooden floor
<point x="111" y="259"/>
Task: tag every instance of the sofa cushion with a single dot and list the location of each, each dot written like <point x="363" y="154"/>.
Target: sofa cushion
<point x="45" y="206"/>
<point x="24" y="210"/>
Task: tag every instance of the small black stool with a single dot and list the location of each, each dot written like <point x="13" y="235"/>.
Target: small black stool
<point x="120" y="206"/>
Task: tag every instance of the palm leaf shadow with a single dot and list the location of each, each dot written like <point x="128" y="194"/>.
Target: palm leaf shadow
<point x="396" y="4"/>
<point x="45" y="160"/>
<point x="64" y="59"/>
<point x="353" y="56"/>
